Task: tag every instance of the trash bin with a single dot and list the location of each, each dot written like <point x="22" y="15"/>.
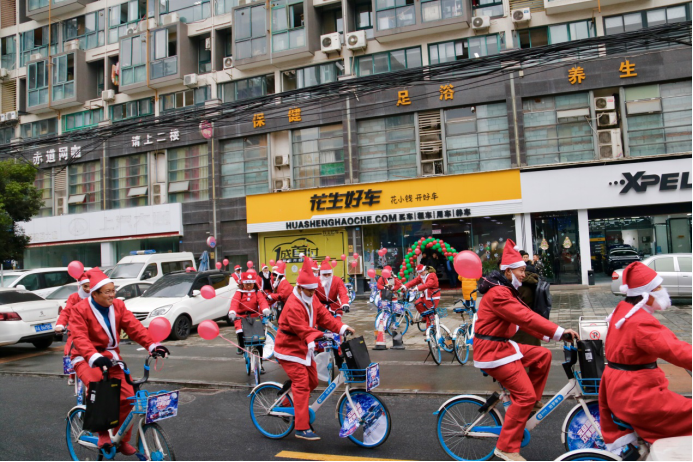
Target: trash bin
<point x="590" y="277"/>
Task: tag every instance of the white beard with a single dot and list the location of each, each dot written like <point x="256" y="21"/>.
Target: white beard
<point x="266" y="274"/>
<point x="326" y="283"/>
<point x="82" y="293"/>
<point x="662" y="300"/>
<point x="307" y="300"/>
<point x="516" y="282"/>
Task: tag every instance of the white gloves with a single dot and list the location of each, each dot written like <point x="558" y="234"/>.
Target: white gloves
<point x="59" y="328"/>
<point x="232" y="315"/>
<point x="266" y="312"/>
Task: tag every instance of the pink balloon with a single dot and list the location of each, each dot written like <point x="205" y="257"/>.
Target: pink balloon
<point x="208" y="292"/>
<point x="343" y="257"/>
<point x="334" y="263"/>
<point x="371" y="273"/>
<point x="327" y="257"/>
<point x="387" y="273"/>
<point x="249" y="264"/>
<point x="384" y="251"/>
<point x="208" y="329"/>
<point x="279" y="262"/>
<point x="75" y="269"/>
<point x="272" y="262"/>
<point x="226" y="262"/>
<point x="356" y="256"/>
<point x="417" y="251"/>
<point x="218" y="265"/>
<point x="188" y="269"/>
<point x="354" y="264"/>
<point x="159" y="328"/>
<point x="468" y="264"/>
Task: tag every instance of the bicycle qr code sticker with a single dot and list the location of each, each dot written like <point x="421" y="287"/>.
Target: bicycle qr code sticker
<point x="372" y="376"/>
<point x="162" y="406"/>
<point x="67" y="365"/>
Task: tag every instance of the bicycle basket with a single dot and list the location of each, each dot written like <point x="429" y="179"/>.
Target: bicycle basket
<point x="139" y="402"/>
<point x="397" y="308"/>
<point x="442" y="312"/>
<point x="589" y="387"/>
<point x="354" y="375"/>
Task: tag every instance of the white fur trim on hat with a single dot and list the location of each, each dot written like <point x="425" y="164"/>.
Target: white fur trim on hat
<point x="248" y="281"/>
<point x="517" y="264"/>
<point x="646" y="289"/>
<point x="326" y="271"/>
<point x="308" y="286"/>
<point x="82" y="282"/>
<point x="100" y="284"/>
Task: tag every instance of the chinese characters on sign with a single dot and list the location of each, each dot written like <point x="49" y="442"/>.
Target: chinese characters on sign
<point x="259" y="120"/>
<point x="627" y="69"/>
<point x="576" y="74"/>
<point x="403" y="98"/>
<point x="64" y="152"/>
<point x="409" y="198"/>
<point x="446" y="92"/>
<point x="295" y="115"/>
<point x="382" y="218"/>
<point x="347" y="200"/>
<point x="138" y="140"/>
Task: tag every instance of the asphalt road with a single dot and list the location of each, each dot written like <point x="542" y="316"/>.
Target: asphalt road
<point x="215" y="425"/>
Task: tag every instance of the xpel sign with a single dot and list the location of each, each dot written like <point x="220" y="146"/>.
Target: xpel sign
<point x="639" y="181"/>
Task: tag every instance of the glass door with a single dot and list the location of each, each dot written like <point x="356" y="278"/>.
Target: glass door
<point x="555" y="239"/>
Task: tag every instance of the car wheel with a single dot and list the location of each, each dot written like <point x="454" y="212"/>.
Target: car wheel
<point x="43" y="343"/>
<point x="181" y="328"/>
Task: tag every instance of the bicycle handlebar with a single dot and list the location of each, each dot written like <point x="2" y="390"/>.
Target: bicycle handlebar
<point x="128" y="377"/>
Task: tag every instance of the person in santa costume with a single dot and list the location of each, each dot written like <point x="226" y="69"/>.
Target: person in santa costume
<point x="501" y="314"/>
<point x="426" y="282"/>
<point x="294" y="346"/>
<point x="247" y="302"/>
<point x="64" y="318"/>
<point x="95" y="324"/>
<point x="332" y="291"/>
<point x="633" y="388"/>
<point x="265" y="279"/>
<point x="387" y="281"/>
<point x="281" y="288"/>
<point x="237" y="274"/>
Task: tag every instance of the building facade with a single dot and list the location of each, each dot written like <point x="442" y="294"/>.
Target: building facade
<point x="471" y="160"/>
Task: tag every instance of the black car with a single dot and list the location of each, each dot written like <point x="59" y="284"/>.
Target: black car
<point x="620" y="258"/>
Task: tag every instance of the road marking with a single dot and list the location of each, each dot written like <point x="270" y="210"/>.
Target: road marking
<point x="328" y="457"/>
<point x="26" y="355"/>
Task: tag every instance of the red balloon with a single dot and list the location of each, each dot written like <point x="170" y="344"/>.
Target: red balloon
<point x="468" y="264"/>
<point x="343" y="257"/>
<point x="387" y="274"/>
<point x="226" y="262"/>
<point x="208" y="329"/>
<point x="218" y="265"/>
<point x="159" y="328"/>
<point x="417" y="251"/>
<point x="354" y="264"/>
<point x="188" y="269"/>
<point x="327" y="257"/>
<point x="272" y="262"/>
<point x="249" y="264"/>
<point x="356" y="256"/>
<point x="334" y="263"/>
<point x="371" y="273"/>
<point x="75" y="269"/>
<point x="208" y="292"/>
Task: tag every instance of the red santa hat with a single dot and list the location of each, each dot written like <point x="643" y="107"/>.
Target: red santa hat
<point x="306" y="278"/>
<point x="638" y="279"/>
<point x="97" y="279"/>
<point x="280" y="269"/>
<point x="248" y="278"/>
<point x="83" y="279"/>
<point x="326" y="267"/>
<point x="511" y="256"/>
<point x="420" y="268"/>
<point x="313" y="264"/>
<point x="237" y="267"/>
<point x="264" y="265"/>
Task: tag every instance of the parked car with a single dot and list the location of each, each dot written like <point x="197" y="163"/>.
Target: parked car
<point x="620" y="258"/>
<point x="40" y="281"/>
<point x="674" y="268"/>
<point x="176" y="296"/>
<point x="123" y="292"/>
<point x="25" y="317"/>
<point x="146" y="265"/>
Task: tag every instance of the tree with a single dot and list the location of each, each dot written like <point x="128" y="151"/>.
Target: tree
<point x="19" y="201"/>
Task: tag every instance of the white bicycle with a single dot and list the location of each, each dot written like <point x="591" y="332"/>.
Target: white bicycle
<point x="438" y="336"/>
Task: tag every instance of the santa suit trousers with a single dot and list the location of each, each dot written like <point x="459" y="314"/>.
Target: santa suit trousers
<point x="92" y="374"/>
<point x="423" y="304"/>
<point x="304" y="379"/>
<point x="525" y="387"/>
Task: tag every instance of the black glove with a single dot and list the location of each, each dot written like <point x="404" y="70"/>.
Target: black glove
<point x="102" y="362"/>
<point x="345" y="308"/>
<point x="160" y="351"/>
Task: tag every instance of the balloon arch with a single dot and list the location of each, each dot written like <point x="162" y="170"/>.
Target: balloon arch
<point x="425" y="243"/>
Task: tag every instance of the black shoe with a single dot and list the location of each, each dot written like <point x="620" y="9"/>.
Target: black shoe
<point x="239" y="352"/>
<point x="262" y="370"/>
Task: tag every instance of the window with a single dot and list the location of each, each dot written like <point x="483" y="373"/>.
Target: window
<point x="31" y="282"/>
<point x="164" y="50"/>
<point x="387" y="148"/>
<point x="127" y="292"/>
<point x="492" y="8"/>
<point x="473" y="47"/>
<point x="250" y="29"/>
<point x="6" y="135"/>
<point x="248" y="88"/>
<point x="37" y="83"/>
<point x="684" y="264"/>
<point x="558" y="33"/>
<point x="390" y="14"/>
<point x="643" y="19"/>
<point x="171" y="266"/>
<point x="364" y="18"/>
<point x="389" y="61"/>
<point x="39" y="128"/>
<point x="185" y="98"/>
<point x="129" y="181"/>
<point x="287" y="25"/>
<point x="331" y="21"/>
<point x="244" y="167"/>
<point x="435" y="10"/>
<point x="125" y="16"/>
<point x="311" y="76"/>
<point x="84" y="187"/>
<point x="64" y="77"/>
<point x="219" y="281"/>
<point x="133" y="60"/>
<point x="84" y="119"/>
<point x="44" y="183"/>
<point x="188" y="173"/>
<point x="204" y="56"/>
<point x="152" y="270"/>
<point x="188" y="10"/>
<point x="132" y="109"/>
<point x="36" y="41"/>
<point x="550" y="140"/>
<point x="665" y="264"/>
<point x="664" y="131"/>
<point x="88" y="29"/>
<point x="8" y="51"/>
<point x="37" y="4"/>
<point x="477" y="138"/>
<point x="318" y="156"/>
<point x="56" y="278"/>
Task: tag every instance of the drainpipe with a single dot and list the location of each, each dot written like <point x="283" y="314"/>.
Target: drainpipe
<point x="348" y="121"/>
<point x="514" y="106"/>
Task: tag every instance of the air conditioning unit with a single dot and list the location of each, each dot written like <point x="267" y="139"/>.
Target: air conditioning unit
<point x="481" y="22"/>
<point x="169" y="19"/>
<point x="3" y="73"/>
<point x="521" y="16"/>
<point x="282" y="184"/>
<point x="610" y="144"/>
<point x="330" y="43"/>
<point x="356" y="40"/>
<point x="228" y="62"/>
<point x="208" y="43"/>
<point x="3" y="118"/>
<point x="132" y="29"/>
<point x="72" y="45"/>
<point x="11" y="116"/>
<point x="281" y="161"/>
<point x="432" y="167"/>
<point x="61" y="206"/>
<point x="607" y="119"/>
<point x="108" y="95"/>
<point x="190" y="80"/>
<point x="35" y="56"/>
<point x="604" y="103"/>
<point x="158" y="193"/>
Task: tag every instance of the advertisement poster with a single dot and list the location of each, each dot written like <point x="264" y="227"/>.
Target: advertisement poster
<point x="162" y="406"/>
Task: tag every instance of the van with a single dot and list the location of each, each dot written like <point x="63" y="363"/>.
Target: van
<point x="41" y="281"/>
<point x="147" y="265"/>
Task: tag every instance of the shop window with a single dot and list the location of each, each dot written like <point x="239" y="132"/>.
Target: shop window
<point x="6" y="135"/>
<point x="253" y="87"/>
<point x="164" y="51"/>
<point x="391" y="14"/>
<point x="44" y="183"/>
<point x="132" y="109"/>
<point x="643" y="19"/>
<point x="188" y="10"/>
<point x="492" y="8"/>
<point x="551" y="138"/>
<point x="129" y="181"/>
<point x="125" y="16"/>
<point x="250" y="32"/>
<point x="387" y="148"/>
<point x="364" y="17"/>
<point x="659" y="118"/>
<point x="64" y="77"/>
<point x="83" y="119"/>
<point x="185" y="98"/>
<point x="88" y="29"/>
<point x="84" y="187"/>
<point x="287" y="25"/>
<point x="8" y="52"/>
<point x="472" y="47"/>
<point x="389" y="61"/>
<point x="204" y="55"/>
<point x="36" y="42"/>
<point x="435" y="10"/>
<point x="297" y="79"/>
<point x="40" y="128"/>
<point x="37" y="82"/>
<point x="555" y="239"/>
<point x="188" y="173"/>
<point x="244" y="166"/>
<point x="318" y="156"/>
<point x="477" y="138"/>
<point x="331" y="21"/>
<point x="133" y="60"/>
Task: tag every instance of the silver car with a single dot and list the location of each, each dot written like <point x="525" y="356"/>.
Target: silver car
<point x="674" y="268"/>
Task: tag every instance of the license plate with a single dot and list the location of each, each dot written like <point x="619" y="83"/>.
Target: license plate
<point x="43" y="327"/>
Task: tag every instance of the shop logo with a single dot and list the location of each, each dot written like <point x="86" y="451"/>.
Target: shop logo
<point x="290" y="251"/>
<point x="639" y="182"/>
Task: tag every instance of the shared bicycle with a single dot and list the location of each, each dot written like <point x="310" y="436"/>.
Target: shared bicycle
<point x="438" y="336"/>
<point x="351" y="290"/>
<point x="463" y="336"/>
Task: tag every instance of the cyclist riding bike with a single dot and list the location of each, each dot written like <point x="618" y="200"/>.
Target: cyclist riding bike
<point x="633" y="388"/>
<point x="95" y="323"/>
<point x="294" y="346"/>
<point x="332" y="291"/>
<point x="386" y="281"/>
<point x="64" y="318"/>
<point x="501" y="314"/>
<point x="247" y="302"/>
<point x="281" y="288"/>
<point x="426" y="282"/>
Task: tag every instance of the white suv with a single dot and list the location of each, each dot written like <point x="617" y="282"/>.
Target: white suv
<point x="26" y="318"/>
<point x="39" y="281"/>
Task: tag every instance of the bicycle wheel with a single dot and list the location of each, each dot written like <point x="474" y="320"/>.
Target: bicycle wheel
<point x="157" y="441"/>
<point x="376" y="423"/>
<point x="268" y="348"/>
<point x="579" y="432"/>
<point x="73" y="432"/>
<point x="420" y="322"/>
<point x="271" y="426"/>
<point x="433" y="345"/>
<point x="448" y="345"/>
<point x="246" y="357"/>
<point x="461" y="346"/>
<point x="397" y="322"/>
<point x="589" y="454"/>
<point x="457" y="416"/>
<point x="255" y="365"/>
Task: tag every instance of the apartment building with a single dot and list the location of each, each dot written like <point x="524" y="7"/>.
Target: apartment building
<point x="470" y="161"/>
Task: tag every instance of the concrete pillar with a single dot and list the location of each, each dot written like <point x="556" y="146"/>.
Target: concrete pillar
<point x="585" y="253"/>
<point x="523" y="232"/>
<point x="108" y="254"/>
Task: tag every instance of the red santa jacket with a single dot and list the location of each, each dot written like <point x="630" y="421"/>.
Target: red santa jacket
<point x="282" y="292"/>
<point x="236" y="277"/>
<point x="394" y="287"/>
<point x="248" y="303"/>
<point x="91" y="336"/>
<point x="502" y="314"/>
<point x="337" y="297"/>
<point x="298" y="329"/>
<point x="428" y="284"/>
<point x="64" y="317"/>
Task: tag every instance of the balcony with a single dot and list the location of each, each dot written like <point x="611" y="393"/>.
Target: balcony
<point x="71" y="83"/>
<point x="38" y="9"/>
<point x="563" y="6"/>
<point x="397" y="20"/>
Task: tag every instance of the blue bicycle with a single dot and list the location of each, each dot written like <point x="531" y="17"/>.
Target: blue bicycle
<point x="463" y="336"/>
<point x="351" y="291"/>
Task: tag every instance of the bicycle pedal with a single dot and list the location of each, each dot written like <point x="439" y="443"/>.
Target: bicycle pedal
<point x="490" y="402"/>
